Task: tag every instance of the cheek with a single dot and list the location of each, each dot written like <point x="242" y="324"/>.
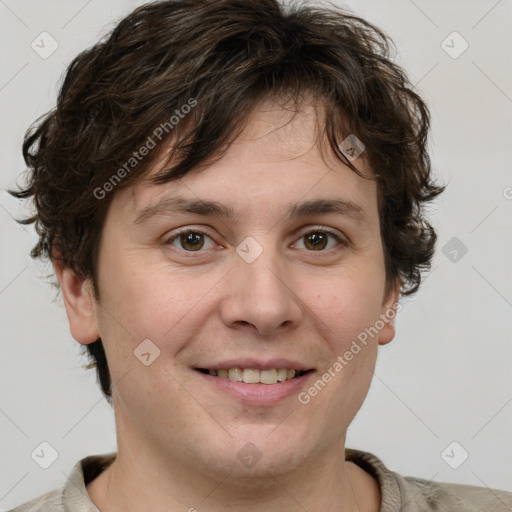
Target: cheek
<point x="348" y="306"/>
<point x="155" y="302"/>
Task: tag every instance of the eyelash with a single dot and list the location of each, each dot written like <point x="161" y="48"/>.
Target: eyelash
<point x="315" y="229"/>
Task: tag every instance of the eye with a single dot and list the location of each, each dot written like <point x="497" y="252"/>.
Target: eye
<point x="318" y="240"/>
<point x="190" y="240"/>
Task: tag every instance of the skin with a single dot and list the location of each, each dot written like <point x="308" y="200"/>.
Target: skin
<point x="178" y="436"/>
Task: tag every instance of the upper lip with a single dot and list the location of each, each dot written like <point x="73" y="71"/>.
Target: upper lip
<point x="258" y="364"/>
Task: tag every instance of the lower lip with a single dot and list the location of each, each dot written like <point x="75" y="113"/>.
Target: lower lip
<point x="258" y="394"/>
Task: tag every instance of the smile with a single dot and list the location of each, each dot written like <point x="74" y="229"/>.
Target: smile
<point x="255" y="376"/>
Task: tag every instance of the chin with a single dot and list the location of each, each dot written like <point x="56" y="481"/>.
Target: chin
<point x="260" y="452"/>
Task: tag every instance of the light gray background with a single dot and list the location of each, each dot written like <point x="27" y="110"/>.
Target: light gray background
<point x="447" y="375"/>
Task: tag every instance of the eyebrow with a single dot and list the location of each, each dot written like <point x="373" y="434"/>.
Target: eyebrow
<point x="181" y="205"/>
<point x="325" y="206"/>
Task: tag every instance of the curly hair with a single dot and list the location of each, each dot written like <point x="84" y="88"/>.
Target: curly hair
<point x="220" y="58"/>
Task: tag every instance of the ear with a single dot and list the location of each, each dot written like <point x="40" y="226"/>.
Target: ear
<point x="80" y="304"/>
<point x="389" y="310"/>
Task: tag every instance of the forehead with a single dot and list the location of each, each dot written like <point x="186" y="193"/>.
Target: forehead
<point x="281" y="156"/>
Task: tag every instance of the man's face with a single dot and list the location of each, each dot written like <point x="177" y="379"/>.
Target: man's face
<point x="270" y="287"/>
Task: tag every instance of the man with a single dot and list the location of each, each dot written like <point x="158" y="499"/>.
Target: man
<point x="232" y="194"/>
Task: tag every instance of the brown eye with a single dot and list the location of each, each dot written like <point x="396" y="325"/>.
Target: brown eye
<point x="190" y="241"/>
<point x="321" y="240"/>
<point x="317" y="240"/>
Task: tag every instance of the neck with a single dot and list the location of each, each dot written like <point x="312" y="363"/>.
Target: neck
<point x="139" y="481"/>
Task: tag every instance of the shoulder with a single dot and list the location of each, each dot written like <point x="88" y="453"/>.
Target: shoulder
<point x="409" y="494"/>
<point x="422" y="495"/>
<point x="72" y="497"/>
<point x="51" y="501"/>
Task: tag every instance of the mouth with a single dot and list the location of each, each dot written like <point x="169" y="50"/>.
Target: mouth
<point x="255" y="382"/>
<point x="269" y="376"/>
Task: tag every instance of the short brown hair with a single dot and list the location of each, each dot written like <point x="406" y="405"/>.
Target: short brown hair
<point x="226" y="56"/>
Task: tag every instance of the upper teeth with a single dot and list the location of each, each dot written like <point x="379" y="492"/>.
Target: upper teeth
<point x="254" y="376"/>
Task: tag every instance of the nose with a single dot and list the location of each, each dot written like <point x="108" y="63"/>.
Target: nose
<point x="260" y="297"/>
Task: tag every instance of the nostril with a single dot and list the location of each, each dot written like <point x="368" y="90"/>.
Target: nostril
<point x="245" y="322"/>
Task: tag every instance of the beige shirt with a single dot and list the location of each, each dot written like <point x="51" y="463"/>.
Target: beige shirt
<point x="399" y="493"/>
